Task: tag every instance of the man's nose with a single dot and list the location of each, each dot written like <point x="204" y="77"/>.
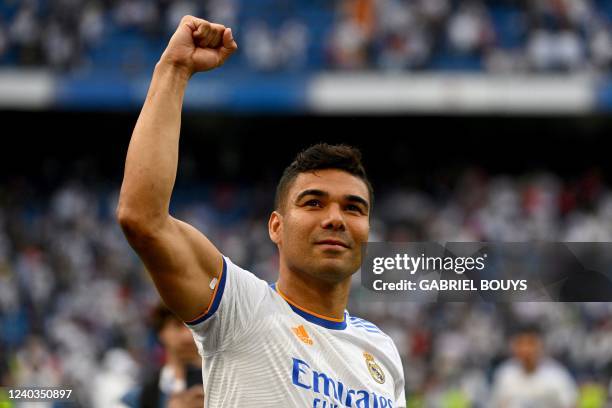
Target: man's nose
<point x="334" y="219"/>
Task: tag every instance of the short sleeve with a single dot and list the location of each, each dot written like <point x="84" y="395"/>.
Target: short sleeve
<point x="400" y="383"/>
<point x="237" y="298"/>
<point x="401" y="400"/>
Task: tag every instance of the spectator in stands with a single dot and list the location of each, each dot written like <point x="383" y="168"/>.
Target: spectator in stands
<point x="24" y="33"/>
<point x="544" y="35"/>
<point x="117" y="375"/>
<point x="275" y="49"/>
<point x="601" y="47"/>
<point x="530" y="379"/>
<point x="171" y="385"/>
<point x="260" y="49"/>
<point x="348" y="45"/>
<point x="403" y="39"/>
<point x="58" y="248"/>
<point x="469" y="29"/>
<point x="293" y="44"/>
<point x="3" y="39"/>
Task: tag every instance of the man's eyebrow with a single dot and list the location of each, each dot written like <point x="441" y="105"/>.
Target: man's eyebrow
<point x="358" y="199"/>
<point x="313" y="192"/>
<point x="321" y="193"/>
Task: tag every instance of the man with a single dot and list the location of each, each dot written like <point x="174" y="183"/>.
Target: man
<point x="291" y="344"/>
<point x="169" y="387"/>
<point x="530" y="379"/>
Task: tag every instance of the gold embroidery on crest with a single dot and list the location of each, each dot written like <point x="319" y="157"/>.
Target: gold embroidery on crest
<point x="375" y="370"/>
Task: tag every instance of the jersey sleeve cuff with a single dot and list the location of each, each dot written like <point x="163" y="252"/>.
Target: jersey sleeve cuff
<point x="216" y="298"/>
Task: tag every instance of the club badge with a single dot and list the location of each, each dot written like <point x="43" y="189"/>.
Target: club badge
<point x="375" y="370"/>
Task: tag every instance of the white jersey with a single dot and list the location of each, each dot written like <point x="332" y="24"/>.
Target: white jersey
<point x="260" y="350"/>
<point x="549" y="386"/>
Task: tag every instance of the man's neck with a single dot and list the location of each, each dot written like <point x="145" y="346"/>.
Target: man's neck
<point x="326" y="299"/>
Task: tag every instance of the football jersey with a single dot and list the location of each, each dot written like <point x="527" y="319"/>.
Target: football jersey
<point x="549" y="386"/>
<point x="260" y="350"/>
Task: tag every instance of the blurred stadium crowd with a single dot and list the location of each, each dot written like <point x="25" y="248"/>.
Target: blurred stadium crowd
<point x="499" y="36"/>
<point x="74" y="299"/>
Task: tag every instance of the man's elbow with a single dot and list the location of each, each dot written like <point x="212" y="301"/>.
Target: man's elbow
<point x="137" y="225"/>
<point x="130" y="222"/>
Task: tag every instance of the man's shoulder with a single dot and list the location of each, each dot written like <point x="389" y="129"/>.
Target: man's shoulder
<point x="368" y="330"/>
<point x="382" y="345"/>
<point x="243" y="275"/>
<point x="365" y="326"/>
<point x="552" y="367"/>
<point x="547" y="367"/>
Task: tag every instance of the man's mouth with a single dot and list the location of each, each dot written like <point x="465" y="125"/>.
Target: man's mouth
<point x="333" y="242"/>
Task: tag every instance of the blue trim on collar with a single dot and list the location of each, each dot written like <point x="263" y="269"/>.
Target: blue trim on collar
<point x="328" y="324"/>
<point x="216" y="301"/>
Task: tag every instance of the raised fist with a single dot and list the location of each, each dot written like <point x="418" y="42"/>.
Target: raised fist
<point x="198" y="45"/>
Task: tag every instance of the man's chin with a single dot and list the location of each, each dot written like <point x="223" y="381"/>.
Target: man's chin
<point x="334" y="269"/>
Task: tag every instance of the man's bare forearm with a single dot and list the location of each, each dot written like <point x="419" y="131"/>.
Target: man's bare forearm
<point x="150" y="168"/>
<point x="179" y="258"/>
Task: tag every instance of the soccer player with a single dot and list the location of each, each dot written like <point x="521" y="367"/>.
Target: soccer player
<point x="289" y="344"/>
<point x="530" y="379"/>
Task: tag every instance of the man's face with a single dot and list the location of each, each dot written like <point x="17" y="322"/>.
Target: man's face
<point x="527" y="348"/>
<point x="178" y="341"/>
<point x="322" y="224"/>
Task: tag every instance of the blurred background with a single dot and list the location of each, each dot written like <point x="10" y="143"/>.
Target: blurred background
<point x="478" y="121"/>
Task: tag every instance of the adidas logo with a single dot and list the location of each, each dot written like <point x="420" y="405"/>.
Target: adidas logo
<point x="302" y="334"/>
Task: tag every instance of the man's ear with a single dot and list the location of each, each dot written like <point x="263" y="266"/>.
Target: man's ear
<point x="275" y="227"/>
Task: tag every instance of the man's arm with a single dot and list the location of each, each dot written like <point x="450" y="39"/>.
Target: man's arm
<point x="180" y="259"/>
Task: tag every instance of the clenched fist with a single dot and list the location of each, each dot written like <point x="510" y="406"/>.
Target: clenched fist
<point x="198" y="45"/>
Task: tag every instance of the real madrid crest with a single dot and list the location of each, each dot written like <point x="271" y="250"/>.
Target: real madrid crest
<point x="375" y="370"/>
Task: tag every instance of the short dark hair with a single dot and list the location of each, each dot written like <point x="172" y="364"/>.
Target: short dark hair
<point x="322" y="156"/>
<point x="526" y="328"/>
<point x="160" y="315"/>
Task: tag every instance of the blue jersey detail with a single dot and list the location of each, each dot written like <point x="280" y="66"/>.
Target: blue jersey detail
<point x="364" y="324"/>
<point x="216" y="301"/>
<point x="322" y="384"/>
<point x="328" y="324"/>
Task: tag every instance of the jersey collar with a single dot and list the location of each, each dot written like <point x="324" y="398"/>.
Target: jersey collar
<point x="320" y="320"/>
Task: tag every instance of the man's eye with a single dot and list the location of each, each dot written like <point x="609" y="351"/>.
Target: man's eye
<point x="313" y="203"/>
<point x="352" y="207"/>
